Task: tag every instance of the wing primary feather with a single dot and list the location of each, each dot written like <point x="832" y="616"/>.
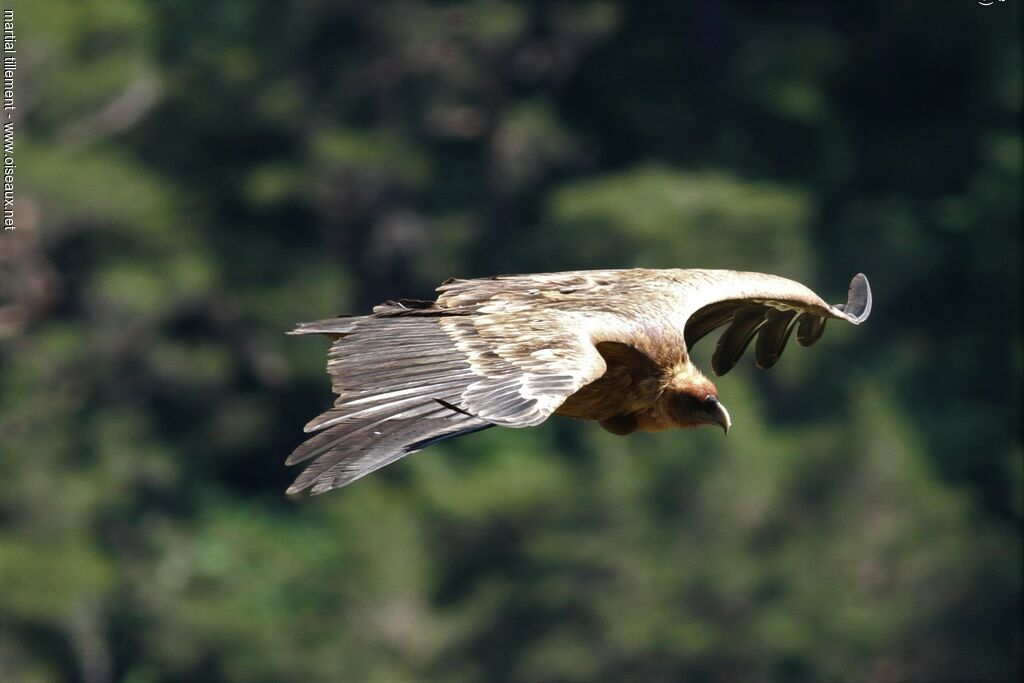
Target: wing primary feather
<point x="735" y="339"/>
<point x="355" y="448"/>
<point x="420" y="445"/>
<point x="707" y="319"/>
<point x="343" y="415"/>
<point x="313" y="446"/>
<point x="375" y="449"/>
<point x="411" y="370"/>
<point x="772" y="338"/>
<point x="338" y="431"/>
<point x="417" y="389"/>
<point x="340" y="325"/>
<point x="810" y="329"/>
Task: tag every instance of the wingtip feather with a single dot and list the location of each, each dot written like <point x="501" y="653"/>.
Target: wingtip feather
<point x="858" y="304"/>
<point x="337" y="326"/>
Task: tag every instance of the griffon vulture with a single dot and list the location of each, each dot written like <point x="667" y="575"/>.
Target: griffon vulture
<point x="604" y="345"/>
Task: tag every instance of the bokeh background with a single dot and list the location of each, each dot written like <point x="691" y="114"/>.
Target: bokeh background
<point x="195" y="177"/>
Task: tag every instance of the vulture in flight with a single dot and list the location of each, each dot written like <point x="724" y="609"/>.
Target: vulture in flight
<point x="510" y="351"/>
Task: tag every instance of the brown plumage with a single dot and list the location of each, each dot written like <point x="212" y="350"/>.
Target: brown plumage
<point x="510" y="351"/>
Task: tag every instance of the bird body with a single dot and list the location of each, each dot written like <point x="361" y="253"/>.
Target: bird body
<point x="605" y="345"/>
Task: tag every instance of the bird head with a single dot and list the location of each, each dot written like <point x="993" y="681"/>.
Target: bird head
<point x="693" y="401"/>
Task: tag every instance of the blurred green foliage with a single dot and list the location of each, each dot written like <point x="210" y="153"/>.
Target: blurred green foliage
<point x="194" y="178"/>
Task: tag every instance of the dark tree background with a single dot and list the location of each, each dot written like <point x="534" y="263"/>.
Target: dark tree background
<point x="195" y="177"/>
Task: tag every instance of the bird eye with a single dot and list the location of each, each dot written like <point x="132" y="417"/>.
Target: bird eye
<point x="691" y="402"/>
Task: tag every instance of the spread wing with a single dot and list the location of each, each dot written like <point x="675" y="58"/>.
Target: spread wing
<point x="415" y="373"/>
<point x="767" y="306"/>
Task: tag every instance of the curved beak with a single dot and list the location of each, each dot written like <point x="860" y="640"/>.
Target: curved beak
<point x="717" y="414"/>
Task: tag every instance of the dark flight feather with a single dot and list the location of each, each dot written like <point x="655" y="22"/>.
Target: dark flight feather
<point x="772" y="338"/>
<point x="735" y="339"/>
